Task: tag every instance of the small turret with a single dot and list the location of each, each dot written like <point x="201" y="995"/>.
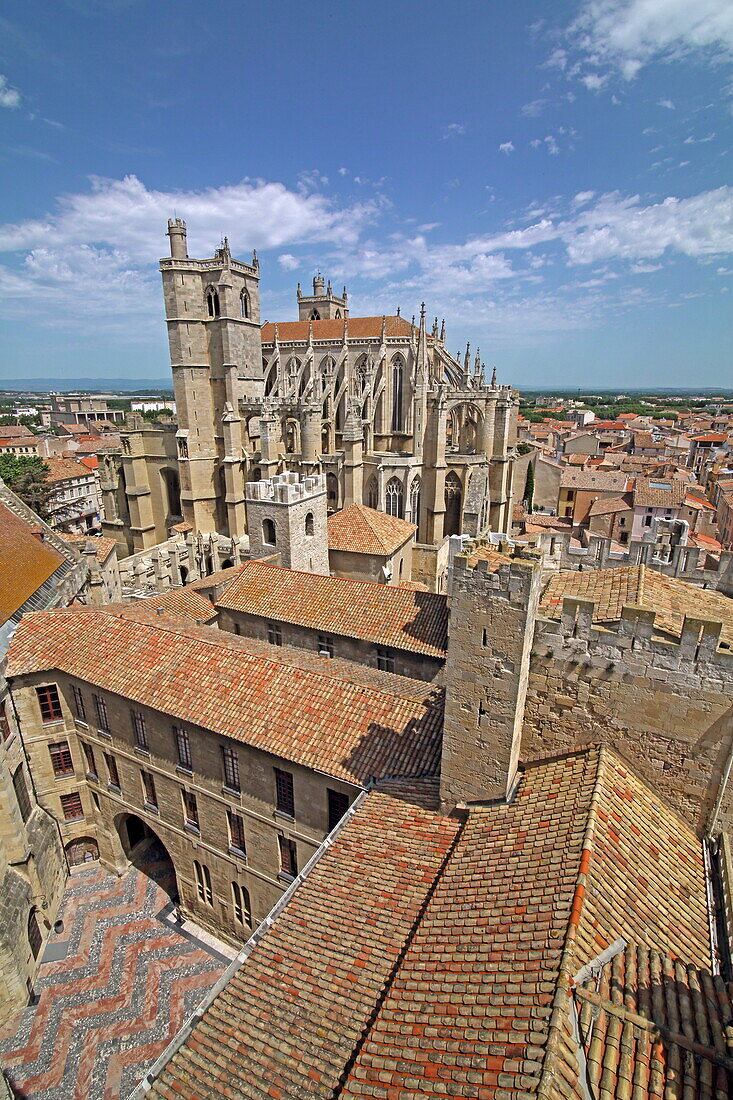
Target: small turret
<point x="177" y="234"/>
<point x="318" y="284"/>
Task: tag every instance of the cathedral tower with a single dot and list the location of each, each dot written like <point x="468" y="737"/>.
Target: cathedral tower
<point x="288" y="517"/>
<point x="322" y="304"/>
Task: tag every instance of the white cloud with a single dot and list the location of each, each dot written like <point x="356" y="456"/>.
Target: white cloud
<point x="288" y="262"/>
<point x="698" y="141"/>
<point x="506" y="147"/>
<point x="625" y="35"/>
<point x="552" y="147"/>
<point x="343" y="171"/>
<point x="454" y="129"/>
<point x="667" y="104"/>
<point x="9" y="96"/>
<point x="535" y="108"/>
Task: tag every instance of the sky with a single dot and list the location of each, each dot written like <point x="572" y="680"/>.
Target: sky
<point x="552" y="177"/>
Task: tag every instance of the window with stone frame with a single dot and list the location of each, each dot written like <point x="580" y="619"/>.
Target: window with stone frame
<point x="338" y="804"/>
<point x="236" y="833"/>
<point x="89" y="757"/>
<point x="80" y="709"/>
<point x="101" y="708"/>
<point x="183" y="748"/>
<point x="241" y="903"/>
<point x="325" y="645"/>
<point x="113" y="773"/>
<point x="385" y="659"/>
<point x="274" y="634"/>
<point x="21" y="793"/>
<point x="140" y="730"/>
<point x="61" y="760"/>
<point x="49" y="702"/>
<point x="284" y="793"/>
<point x="190" y="810"/>
<point x="203" y="882"/>
<point x="149" y="792"/>
<point x="71" y="806"/>
<point x="394" y="499"/>
<point x="288" y="857"/>
<point x="230" y="762"/>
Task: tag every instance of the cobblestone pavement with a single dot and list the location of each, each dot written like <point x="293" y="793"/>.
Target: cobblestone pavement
<point x="112" y="990"/>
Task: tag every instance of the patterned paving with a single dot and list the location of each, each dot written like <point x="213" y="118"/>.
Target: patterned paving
<point x="113" y="989"/>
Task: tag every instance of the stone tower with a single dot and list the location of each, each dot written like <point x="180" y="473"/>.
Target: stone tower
<point x="288" y="516"/>
<point x="212" y="310"/>
<point x="322" y="304"/>
<point x="493" y="609"/>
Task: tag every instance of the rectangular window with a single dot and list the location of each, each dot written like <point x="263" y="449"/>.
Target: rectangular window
<point x="288" y="857"/>
<point x="61" y="761"/>
<point x="79" y="708"/>
<point x="203" y="882"/>
<point x="48" y="698"/>
<point x="190" y="810"/>
<point x="236" y="832"/>
<point x="91" y="762"/>
<point x="151" y="797"/>
<point x="242" y="908"/>
<point x="385" y="659"/>
<point x="21" y="793"/>
<point x="274" y="634"/>
<point x="338" y="804"/>
<point x="231" y="768"/>
<point x="114" y="775"/>
<point x="4" y="726"/>
<point x="101" y="708"/>
<point x="71" y="806"/>
<point x="284" y="797"/>
<point x="183" y="747"/>
<point x="139" y="728"/>
<point x="325" y="645"/>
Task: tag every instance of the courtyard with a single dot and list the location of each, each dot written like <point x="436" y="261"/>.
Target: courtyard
<point x="113" y="988"/>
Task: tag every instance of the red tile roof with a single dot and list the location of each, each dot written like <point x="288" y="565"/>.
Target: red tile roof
<point x="378" y="613"/>
<point x="425" y="958"/>
<point x="361" y="530"/>
<point x="64" y="469"/>
<point x="360" y="328"/>
<point x="102" y="545"/>
<point x="25" y="562"/>
<point x="208" y="678"/>
<point x="186" y="602"/>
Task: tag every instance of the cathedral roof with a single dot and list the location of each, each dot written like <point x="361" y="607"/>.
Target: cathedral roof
<point x="426" y="955"/>
<point x="376" y="613"/>
<point x="360" y="328"/>
<point x="361" y="530"/>
<point x="316" y="716"/>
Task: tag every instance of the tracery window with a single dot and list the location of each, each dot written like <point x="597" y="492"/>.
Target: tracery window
<point x="244" y="305"/>
<point x="212" y="302"/>
<point x="397" y="395"/>
<point x="415" y="500"/>
<point x="394" y="505"/>
<point x="372" y="492"/>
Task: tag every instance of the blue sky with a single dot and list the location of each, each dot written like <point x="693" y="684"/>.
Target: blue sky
<point x="553" y="178"/>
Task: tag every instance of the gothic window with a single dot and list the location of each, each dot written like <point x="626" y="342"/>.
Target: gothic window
<point x="394" y="498"/>
<point x="212" y="302"/>
<point x="242" y="907"/>
<point x="309" y="526"/>
<point x="397" y="395"/>
<point x="271" y="380"/>
<point x="268" y="532"/>
<point x="338" y="314"/>
<point x="182" y="448"/>
<point x="244" y="305"/>
<point x="203" y="882"/>
<point x="453" y="500"/>
<point x="372" y="492"/>
<point x="415" y="500"/>
<point x="315" y="315"/>
<point x="332" y="492"/>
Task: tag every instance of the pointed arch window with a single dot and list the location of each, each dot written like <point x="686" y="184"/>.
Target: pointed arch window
<point x="395" y="505"/>
<point x="315" y="315"/>
<point x="245" y="306"/>
<point x="372" y="493"/>
<point x="212" y="302"/>
<point x="415" y="500"/>
<point x="397" y="372"/>
<point x="453" y="501"/>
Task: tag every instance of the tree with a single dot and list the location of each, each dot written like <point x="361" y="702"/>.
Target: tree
<point x="26" y="476"/>
<point x="529" y="487"/>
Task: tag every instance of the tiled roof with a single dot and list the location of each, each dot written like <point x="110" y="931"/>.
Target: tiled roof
<point x="62" y="469"/>
<point x="360" y="328"/>
<point x="208" y="678"/>
<point x="214" y="580"/>
<point x="425" y="958"/>
<point x="540" y="522"/>
<point x="186" y="602"/>
<point x="604" y="481"/>
<point x="611" y="504"/>
<point x="495" y="557"/>
<point x="103" y="546"/>
<point x="378" y="613"/>
<point x="361" y="530"/>
<point x="650" y="493"/>
<point x="25" y="562"/>
<point x="612" y="589"/>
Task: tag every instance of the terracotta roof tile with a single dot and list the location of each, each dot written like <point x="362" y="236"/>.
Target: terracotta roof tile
<point x="63" y="469"/>
<point x="612" y="589"/>
<point x="360" y="328"/>
<point x="186" y="602"/>
<point x="378" y="613"/>
<point x="25" y="562"/>
<point x="103" y="546"/>
<point x="361" y="530"/>
<point x="208" y="678"/>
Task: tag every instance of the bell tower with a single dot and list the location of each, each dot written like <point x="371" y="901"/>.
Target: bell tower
<point x="322" y="304"/>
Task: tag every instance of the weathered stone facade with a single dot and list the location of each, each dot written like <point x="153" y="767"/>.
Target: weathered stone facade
<point x="288" y="516"/>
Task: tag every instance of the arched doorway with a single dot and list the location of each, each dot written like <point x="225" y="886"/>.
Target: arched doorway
<point x="146" y="851"/>
<point x="453" y="500"/>
<point x="82" y="850"/>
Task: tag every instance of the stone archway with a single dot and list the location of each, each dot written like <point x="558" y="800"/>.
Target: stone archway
<point x="146" y="851"/>
<point x="84" y="849"/>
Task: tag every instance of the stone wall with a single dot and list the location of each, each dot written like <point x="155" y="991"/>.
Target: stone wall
<point x="663" y="705"/>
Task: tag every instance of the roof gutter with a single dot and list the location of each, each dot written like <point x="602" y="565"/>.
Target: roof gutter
<point x="182" y="1035"/>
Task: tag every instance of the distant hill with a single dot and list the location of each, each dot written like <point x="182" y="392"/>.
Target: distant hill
<point x="95" y="385"/>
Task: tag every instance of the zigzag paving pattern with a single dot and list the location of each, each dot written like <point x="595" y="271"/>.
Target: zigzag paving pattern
<point x="110" y="1006"/>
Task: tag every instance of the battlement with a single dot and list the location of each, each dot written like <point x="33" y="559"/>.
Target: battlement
<point x="640" y="635"/>
<point x="286" y="488"/>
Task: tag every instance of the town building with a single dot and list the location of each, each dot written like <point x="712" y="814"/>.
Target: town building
<point x="74" y="504"/>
